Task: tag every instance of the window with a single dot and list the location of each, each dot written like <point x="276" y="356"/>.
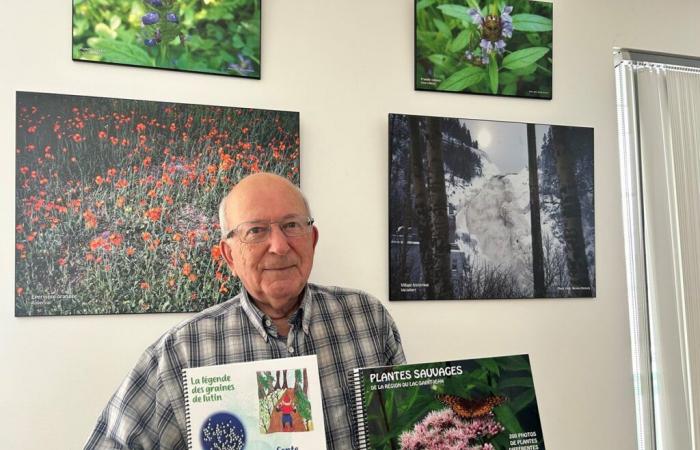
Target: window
<point x="658" y="99"/>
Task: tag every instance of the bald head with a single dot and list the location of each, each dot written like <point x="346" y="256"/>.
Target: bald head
<point x="246" y="196"/>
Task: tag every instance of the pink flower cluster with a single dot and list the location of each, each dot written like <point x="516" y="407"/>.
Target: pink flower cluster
<point x="444" y="430"/>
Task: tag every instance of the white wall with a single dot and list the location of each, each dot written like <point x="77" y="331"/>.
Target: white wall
<point x="345" y="65"/>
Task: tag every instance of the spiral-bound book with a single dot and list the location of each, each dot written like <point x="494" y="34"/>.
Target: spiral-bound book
<point x="271" y="404"/>
<point x="474" y="404"/>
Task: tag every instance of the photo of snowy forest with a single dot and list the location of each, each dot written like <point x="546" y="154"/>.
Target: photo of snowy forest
<point x="483" y="209"/>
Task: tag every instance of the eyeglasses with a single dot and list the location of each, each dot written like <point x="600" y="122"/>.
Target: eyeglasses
<point x="259" y="230"/>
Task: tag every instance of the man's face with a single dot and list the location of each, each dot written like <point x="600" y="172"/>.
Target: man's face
<point x="276" y="270"/>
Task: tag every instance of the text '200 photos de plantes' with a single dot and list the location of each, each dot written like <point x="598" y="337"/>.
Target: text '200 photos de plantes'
<point x="117" y="200"/>
<point x="500" y="47"/>
<point x="220" y="37"/>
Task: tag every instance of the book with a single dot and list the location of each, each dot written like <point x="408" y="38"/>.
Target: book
<point x="272" y="404"/>
<point x="470" y="404"/>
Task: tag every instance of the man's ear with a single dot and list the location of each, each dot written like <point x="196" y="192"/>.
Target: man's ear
<point x="226" y="252"/>
<point x="315" y="232"/>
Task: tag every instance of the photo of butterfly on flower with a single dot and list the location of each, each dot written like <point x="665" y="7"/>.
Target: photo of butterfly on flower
<point x="221" y="37"/>
<point x="482" y="406"/>
<point x="484" y="47"/>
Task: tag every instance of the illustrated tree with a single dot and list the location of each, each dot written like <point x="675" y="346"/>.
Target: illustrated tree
<point x="284" y="379"/>
<point x="301" y="398"/>
<point x="277" y="380"/>
<point x="267" y="398"/>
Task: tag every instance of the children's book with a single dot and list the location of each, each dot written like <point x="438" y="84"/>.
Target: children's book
<point x="471" y="404"/>
<point x="262" y="405"/>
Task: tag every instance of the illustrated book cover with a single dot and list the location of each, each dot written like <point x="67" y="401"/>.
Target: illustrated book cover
<point x="471" y="404"/>
<point x="260" y="405"/>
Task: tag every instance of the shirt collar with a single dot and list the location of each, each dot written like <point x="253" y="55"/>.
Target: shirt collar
<point x="258" y="318"/>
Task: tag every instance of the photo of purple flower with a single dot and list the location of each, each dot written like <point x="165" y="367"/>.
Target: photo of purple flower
<point x="445" y="430"/>
<point x="486" y="47"/>
<point x="191" y="36"/>
<point x="470" y="404"/>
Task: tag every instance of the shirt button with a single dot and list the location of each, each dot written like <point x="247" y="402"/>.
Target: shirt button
<point x="291" y="350"/>
<point x="267" y="322"/>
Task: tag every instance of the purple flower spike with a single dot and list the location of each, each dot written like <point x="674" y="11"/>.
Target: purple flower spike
<point x="155" y="3"/>
<point x="171" y="17"/>
<point x="150" y="42"/>
<point x="486" y="46"/>
<point x="150" y="18"/>
<point x="506" y="26"/>
<point x="507" y="10"/>
<point x="500" y="46"/>
<point x="476" y="16"/>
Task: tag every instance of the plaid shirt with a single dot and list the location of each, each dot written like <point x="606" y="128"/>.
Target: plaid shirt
<point x="346" y="329"/>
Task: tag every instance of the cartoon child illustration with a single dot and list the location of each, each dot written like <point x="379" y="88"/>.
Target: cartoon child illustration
<point x="286" y="406"/>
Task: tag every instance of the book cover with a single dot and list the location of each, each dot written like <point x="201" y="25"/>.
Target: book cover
<point x="261" y="405"/>
<point x="472" y="404"/>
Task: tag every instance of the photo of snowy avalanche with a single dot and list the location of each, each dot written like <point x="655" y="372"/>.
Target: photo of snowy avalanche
<point x="489" y="210"/>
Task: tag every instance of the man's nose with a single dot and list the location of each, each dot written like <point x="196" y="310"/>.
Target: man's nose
<point x="278" y="240"/>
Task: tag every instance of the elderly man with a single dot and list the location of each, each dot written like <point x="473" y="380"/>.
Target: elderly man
<point x="268" y="241"/>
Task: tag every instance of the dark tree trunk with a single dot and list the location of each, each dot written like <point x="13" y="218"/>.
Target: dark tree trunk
<point x="422" y="215"/>
<point x="442" y="267"/>
<point x="284" y="379"/>
<point x="306" y="383"/>
<point x="571" y="213"/>
<point x="535" y="225"/>
<point x="277" y="380"/>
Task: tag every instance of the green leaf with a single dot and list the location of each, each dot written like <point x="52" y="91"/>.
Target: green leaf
<point x="522" y="401"/>
<point x="516" y="382"/>
<point x="442" y="27"/>
<point x="462" y="79"/>
<point x="456" y="11"/>
<point x="525" y="71"/>
<point x="115" y="22"/>
<point x="493" y="80"/>
<point x="460" y="42"/>
<point x="508" y="420"/>
<point x="438" y="60"/>
<point x="104" y="31"/>
<point x="122" y="52"/>
<point x="523" y="58"/>
<point x="473" y="4"/>
<point x="531" y="22"/>
<point x="422" y="4"/>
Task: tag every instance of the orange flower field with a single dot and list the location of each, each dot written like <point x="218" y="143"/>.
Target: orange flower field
<point x="117" y="200"/>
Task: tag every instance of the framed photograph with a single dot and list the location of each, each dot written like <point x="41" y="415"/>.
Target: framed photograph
<point x="492" y="47"/>
<point x="217" y="37"/>
<point x="117" y="200"/>
<point x="482" y="209"/>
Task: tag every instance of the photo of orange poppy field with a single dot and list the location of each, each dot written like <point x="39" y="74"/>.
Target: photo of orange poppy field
<point x="117" y="200"/>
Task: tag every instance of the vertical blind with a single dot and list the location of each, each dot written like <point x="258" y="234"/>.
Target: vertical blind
<point x="658" y="100"/>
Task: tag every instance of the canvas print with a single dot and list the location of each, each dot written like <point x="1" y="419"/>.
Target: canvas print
<point x="116" y="207"/>
<point x="284" y="401"/>
<point x="217" y="37"/>
<point x="483" y="209"/>
<point x="471" y="404"/>
<point x="493" y="47"/>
